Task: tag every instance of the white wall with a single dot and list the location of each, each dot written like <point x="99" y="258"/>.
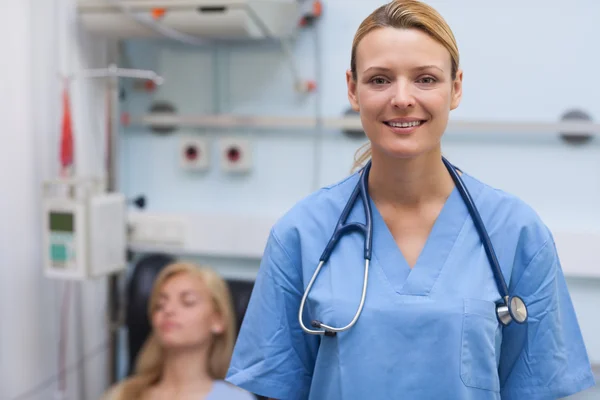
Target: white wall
<point x="23" y="358"/>
<point x="40" y="42"/>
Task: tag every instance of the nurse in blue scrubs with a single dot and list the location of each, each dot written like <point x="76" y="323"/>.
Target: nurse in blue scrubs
<point x="428" y="328"/>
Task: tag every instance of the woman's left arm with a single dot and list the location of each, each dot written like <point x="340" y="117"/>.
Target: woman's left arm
<point x="545" y="358"/>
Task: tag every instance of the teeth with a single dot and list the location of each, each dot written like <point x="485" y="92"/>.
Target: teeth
<point x="404" y="124"/>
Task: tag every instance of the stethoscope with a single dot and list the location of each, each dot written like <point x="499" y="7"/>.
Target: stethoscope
<point x="508" y="309"/>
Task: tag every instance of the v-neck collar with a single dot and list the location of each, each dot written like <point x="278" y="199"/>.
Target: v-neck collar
<point x="420" y="279"/>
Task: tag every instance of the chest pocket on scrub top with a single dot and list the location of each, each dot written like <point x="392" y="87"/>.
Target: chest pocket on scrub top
<point x="478" y="368"/>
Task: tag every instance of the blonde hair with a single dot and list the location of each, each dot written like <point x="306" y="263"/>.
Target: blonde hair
<point x="149" y="364"/>
<point x="404" y="14"/>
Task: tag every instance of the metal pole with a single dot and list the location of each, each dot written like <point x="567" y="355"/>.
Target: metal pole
<point x="112" y="75"/>
<point x="113" y="279"/>
<point x="113" y="125"/>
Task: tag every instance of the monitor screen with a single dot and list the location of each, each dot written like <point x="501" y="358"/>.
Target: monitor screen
<point x="62" y="222"/>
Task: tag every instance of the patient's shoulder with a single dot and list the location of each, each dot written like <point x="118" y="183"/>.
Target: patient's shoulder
<point x="225" y="391"/>
<point x="113" y="393"/>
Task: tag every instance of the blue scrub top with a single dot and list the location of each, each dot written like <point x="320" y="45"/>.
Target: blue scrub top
<point x="426" y="333"/>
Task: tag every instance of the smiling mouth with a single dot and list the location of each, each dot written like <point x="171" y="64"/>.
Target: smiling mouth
<point x="404" y="124"/>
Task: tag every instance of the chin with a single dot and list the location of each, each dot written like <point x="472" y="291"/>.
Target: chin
<point x="169" y="342"/>
<point x="177" y="343"/>
<point x="405" y="149"/>
<point x="402" y="152"/>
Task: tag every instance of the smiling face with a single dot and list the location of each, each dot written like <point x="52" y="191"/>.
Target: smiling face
<point x="185" y="315"/>
<point x="403" y="90"/>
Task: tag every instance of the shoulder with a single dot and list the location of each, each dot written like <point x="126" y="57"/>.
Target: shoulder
<point x="511" y="221"/>
<point x="299" y="236"/>
<point x="224" y="390"/>
<point x="113" y="393"/>
<point x="506" y="211"/>
<point x="318" y="204"/>
<point x="317" y="212"/>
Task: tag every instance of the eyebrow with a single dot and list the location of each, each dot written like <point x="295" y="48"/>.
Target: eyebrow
<point x="184" y="293"/>
<point x="420" y="68"/>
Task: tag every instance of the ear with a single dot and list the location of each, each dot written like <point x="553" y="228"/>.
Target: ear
<point x="217" y="326"/>
<point x="457" y="90"/>
<point x="352" y="95"/>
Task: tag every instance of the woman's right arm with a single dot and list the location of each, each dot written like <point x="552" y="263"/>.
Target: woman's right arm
<point x="273" y="357"/>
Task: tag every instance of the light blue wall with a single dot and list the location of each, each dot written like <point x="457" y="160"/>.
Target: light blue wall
<point x="527" y="61"/>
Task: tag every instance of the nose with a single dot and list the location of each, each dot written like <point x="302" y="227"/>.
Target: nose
<point x="168" y="309"/>
<point x="402" y="96"/>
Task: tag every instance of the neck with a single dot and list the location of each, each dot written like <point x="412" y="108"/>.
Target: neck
<point x="409" y="182"/>
<point x="184" y="369"/>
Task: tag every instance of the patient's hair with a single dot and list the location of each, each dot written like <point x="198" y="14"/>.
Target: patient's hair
<point x="149" y="364"/>
<point x="404" y="14"/>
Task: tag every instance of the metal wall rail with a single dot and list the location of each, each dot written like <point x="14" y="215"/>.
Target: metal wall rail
<point x="166" y="120"/>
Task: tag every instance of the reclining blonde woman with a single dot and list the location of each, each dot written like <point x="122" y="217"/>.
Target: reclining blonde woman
<point x="189" y="350"/>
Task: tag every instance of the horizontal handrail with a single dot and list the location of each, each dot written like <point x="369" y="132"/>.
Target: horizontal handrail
<point x="162" y="120"/>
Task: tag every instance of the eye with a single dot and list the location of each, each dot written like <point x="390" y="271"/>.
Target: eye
<point x="427" y="80"/>
<point x="378" y="80"/>
<point x="189" y="302"/>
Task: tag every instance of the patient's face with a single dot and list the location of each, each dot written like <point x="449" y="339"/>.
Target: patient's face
<point x="185" y="315"/>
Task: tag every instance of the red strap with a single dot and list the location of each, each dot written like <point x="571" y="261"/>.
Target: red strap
<point x="66" y="141"/>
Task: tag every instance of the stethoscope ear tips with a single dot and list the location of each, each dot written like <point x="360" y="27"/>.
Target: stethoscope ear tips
<point x="315" y="324"/>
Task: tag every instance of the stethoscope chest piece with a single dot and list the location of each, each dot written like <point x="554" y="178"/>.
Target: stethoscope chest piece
<point x="512" y="309"/>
